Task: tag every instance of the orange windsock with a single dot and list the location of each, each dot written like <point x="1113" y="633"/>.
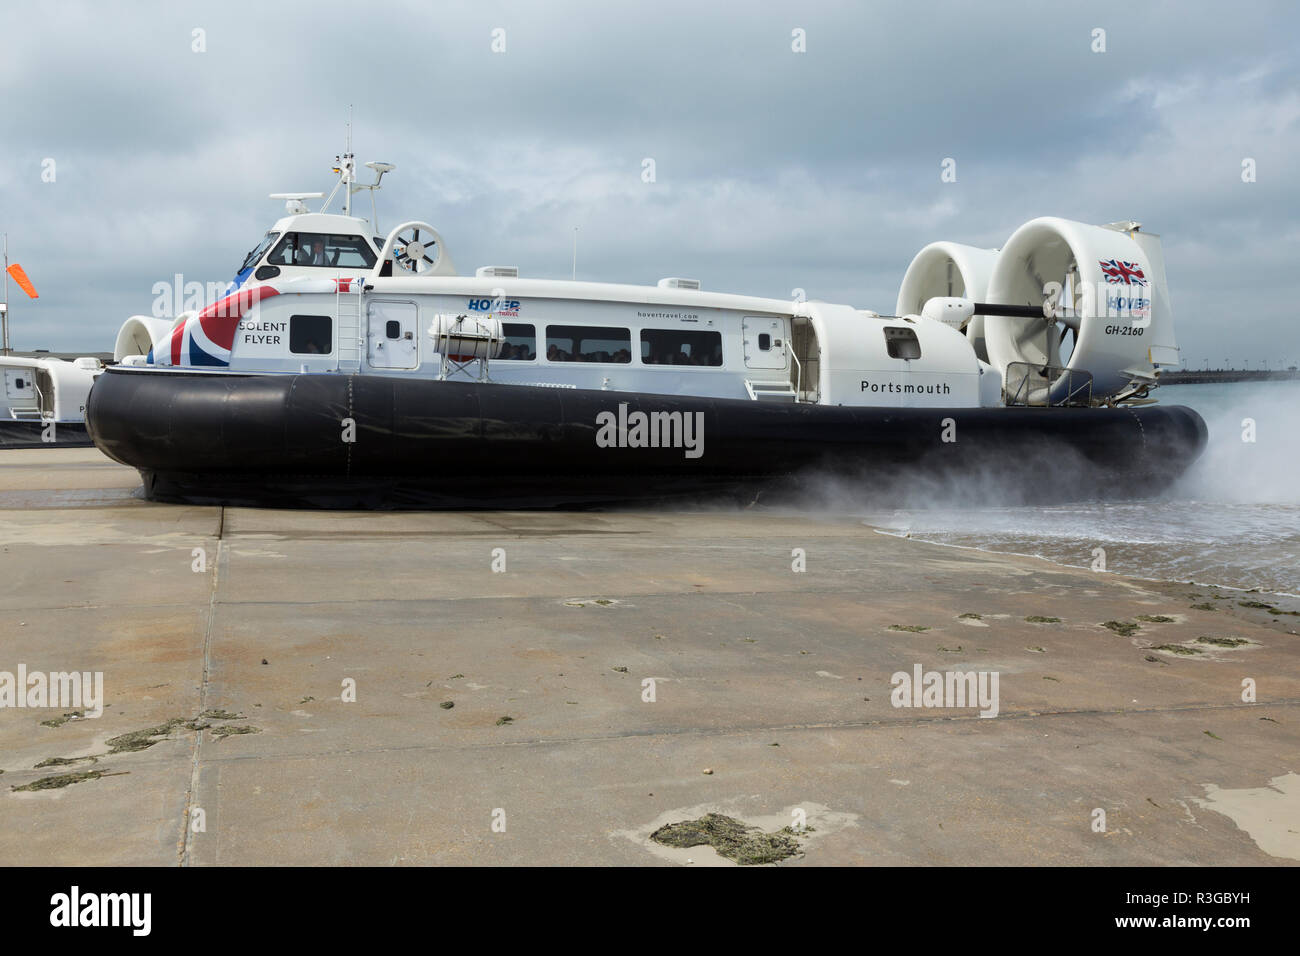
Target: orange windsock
<point x="20" y="277"/>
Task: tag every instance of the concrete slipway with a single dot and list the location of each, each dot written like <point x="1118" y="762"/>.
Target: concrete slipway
<point x="775" y="681"/>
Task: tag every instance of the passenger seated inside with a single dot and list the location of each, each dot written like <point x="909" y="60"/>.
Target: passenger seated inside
<point x="594" y="344"/>
<point x="695" y="347"/>
<point x="320" y="250"/>
<point x="310" y="334"/>
<point x="315" y="257"/>
<point x="518" y="353"/>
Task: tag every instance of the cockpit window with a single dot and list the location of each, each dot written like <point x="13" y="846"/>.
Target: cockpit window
<point x="250" y="260"/>
<point x="322" y="249"/>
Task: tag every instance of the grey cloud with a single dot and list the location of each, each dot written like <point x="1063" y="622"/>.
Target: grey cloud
<point x="775" y="170"/>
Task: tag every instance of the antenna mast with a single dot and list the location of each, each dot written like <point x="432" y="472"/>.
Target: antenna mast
<point x="347" y="168"/>
<point x="343" y="166"/>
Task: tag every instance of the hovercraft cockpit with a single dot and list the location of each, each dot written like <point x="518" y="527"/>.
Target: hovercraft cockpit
<point x="324" y="245"/>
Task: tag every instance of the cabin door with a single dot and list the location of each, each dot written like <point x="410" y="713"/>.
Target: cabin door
<point x="19" y="384"/>
<point x="392" y="334"/>
<point x="765" y="343"/>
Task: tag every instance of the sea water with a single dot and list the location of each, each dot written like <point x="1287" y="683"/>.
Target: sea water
<point x="1233" y="519"/>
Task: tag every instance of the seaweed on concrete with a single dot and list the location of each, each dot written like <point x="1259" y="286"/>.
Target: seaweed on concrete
<point x="731" y="839"/>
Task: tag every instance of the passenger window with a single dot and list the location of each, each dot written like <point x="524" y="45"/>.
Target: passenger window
<point x="311" y="334"/>
<point x="581" y="343"/>
<point x="520" y="342"/>
<point x="393" y="329"/>
<point x="680" y="347"/>
<point x="764" y="342"/>
<point x="902" y="343"/>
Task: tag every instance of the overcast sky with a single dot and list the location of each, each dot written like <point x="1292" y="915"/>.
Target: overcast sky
<point x="774" y="169"/>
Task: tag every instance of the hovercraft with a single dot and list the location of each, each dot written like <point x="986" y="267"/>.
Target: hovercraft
<point x="343" y="369"/>
<point x="42" y="396"/>
<point x="44" y="400"/>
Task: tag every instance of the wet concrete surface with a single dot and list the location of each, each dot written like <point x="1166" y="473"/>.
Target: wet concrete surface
<point x="776" y="682"/>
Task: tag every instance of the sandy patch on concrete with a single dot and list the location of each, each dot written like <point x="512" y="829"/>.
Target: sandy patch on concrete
<point x="820" y="822"/>
<point x="1271" y="815"/>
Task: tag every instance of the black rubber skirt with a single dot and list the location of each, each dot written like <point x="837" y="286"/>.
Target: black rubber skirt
<point x="283" y="440"/>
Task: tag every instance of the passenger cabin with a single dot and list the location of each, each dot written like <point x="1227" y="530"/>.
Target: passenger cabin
<point x="622" y="338"/>
<point x="320" y="293"/>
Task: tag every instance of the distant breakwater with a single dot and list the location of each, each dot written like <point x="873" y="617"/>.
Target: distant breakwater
<point x="1228" y="375"/>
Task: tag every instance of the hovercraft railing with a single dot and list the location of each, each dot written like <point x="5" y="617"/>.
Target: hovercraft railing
<point x="41" y="406"/>
<point x="1031" y="385"/>
<point x="43" y="383"/>
<point x="33" y="412"/>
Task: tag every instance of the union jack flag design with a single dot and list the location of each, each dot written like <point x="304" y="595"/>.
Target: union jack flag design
<point x="207" y="338"/>
<point x="1123" y="273"/>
